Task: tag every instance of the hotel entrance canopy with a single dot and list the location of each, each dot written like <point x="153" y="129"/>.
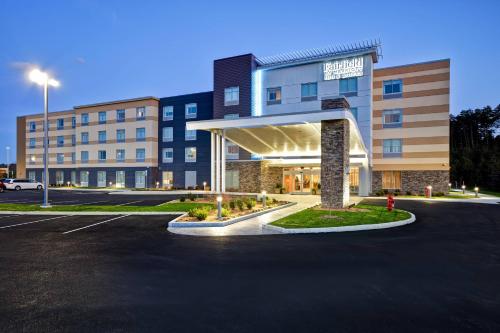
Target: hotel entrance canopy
<point x="283" y="135"/>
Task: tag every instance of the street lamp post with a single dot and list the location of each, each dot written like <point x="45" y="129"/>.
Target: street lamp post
<point x="7" y="148"/>
<point x="43" y="79"/>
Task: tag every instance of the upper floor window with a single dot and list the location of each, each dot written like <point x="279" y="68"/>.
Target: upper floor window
<point x="309" y="91"/>
<point x="32" y="126"/>
<point x="273" y="96"/>
<point x="190" y="154"/>
<point x="168" y="112"/>
<point x="84" y="156"/>
<point x="120" y="116"/>
<point x="120" y="155"/>
<point x="393" y="89"/>
<point x="73" y="140"/>
<point x="168" y="134"/>
<point x="232" y="151"/>
<point x="73" y="122"/>
<point x="60" y="141"/>
<point x="232" y="96"/>
<point x="60" y="123"/>
<point x="102" y="117"/>
<point x="60" y="158"/>
<point x="191" y="110"/>
<point x="120" y="135"/>
<point x="85" y="119"/>
<point x="140" y="113"/>
<point x="85" y="138"/>
<point x="101" y="155"/>
<point x="348" y="87"/>
<point x="354" y="112"/>
<point x="73" y="158"/>
<point x="392" y="118"/>
<point x="140" y="155"/>
<point x="102" y="136"/>
<point x="190" y="135"/>
<point x="392" y="148"/>
<point x="32" y="142"/>
<point x="140" y="134"/>
<point x="168" y="155"/>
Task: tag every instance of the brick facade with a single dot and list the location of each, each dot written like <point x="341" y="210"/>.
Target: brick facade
<point x="415" y="181"/>
<point x="255" y="176"/>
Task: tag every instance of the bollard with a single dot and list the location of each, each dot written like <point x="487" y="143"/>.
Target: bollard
<point x="219" y="207"/>
<point x="264" y="199"/>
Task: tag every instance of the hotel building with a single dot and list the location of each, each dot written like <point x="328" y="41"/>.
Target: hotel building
<point x="323" y="121"/>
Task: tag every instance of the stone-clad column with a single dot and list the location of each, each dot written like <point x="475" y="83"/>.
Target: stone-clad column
<point x="334" y="163"/>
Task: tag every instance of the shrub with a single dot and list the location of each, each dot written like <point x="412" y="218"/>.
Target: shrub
<point x="191" y="196"/>
<point x="225" y="205"/>
<point x="380" y="193"/>
<point x="232" y="204"/>
<point x="439" y="194"/>
<point x="240" y="204"/>
<point x="200" y="213"/>
<point x="182" y="199"/>
<point x="225" y="212"/>
<point x="408" y="193"/>
<point x="274" y="201"/>
<point x="250" y="203"/>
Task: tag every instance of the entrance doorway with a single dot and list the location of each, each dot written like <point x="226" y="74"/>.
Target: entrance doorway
<point x="302" y="180"/>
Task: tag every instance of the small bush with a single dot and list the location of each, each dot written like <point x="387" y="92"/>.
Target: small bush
<point x="225" y="212"/>
<point x="240" y="204"/>
<point x="439" y="194"/>
<point x="232" y="204"/>
<point x="191" y="196"/>
<point x="274" y="201"/>
<point x="225" y="205"/>
<point x="380" y="193"/>
<point x="182" y="199"/>
<point x="250" y="203"/>
<point x="408" y="193"/>
<point x="200" y="213"/>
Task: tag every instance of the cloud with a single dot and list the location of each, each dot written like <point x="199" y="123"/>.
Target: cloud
<point x="80" y="60"/>
<point x="22" y="65"/>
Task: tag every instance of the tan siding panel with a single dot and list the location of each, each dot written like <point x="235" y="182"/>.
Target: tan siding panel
<point x="416" y="124"/>
<point x="411" y="68"/>
<point x="445" y="108"/>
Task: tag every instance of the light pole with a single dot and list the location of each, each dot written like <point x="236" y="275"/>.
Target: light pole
<point x="7" y="148"/>
<point x="43" y="79"/>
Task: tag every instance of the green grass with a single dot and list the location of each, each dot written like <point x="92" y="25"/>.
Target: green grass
<point x="168" y="207"/>
<point x="313" y="218"/>
<point x="494" y="193"/>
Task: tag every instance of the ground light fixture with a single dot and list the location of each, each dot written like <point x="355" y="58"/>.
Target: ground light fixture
<point x="463" y="189"/>
<point x="219" y="207"/>
<point x="429" y="190"/>
<point x="110" y="184"/>
<point x="476" y="189"/>
<point x="157" y="184"/>
<point x="204" y="186"/>
<point x="43" y="79"/>
<point x="264" y="199"/>
<point x="449" y="187"/>
<point x="68" y="183"/>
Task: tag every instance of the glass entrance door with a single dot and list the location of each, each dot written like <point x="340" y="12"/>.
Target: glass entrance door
<point x="301" y="180"/>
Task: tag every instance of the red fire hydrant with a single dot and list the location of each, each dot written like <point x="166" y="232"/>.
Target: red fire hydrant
<point x="390" y="202"/>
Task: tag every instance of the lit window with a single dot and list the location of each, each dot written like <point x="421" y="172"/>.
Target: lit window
<point x="191" y="110"/>
<point x="309" y="91"/>
<point x="32" y="126"/>
<point x="60" y="158"/>
<point x="102" y="117"/>
<point x="60" y="123"/>
<point x="273" y="96"/>
<point x="391" y="180"/>
<point x="190" y="135"/>
<point x="392" y="148"/>
<point x="168" y="112"/>
<point x="60" y="141"/>
<point x="120" y="116"/>
<point x="120" y="155"/>
<point x="190" y="154"/>
<point x="168" y="155"/>
<point x="85" y="138"/>
<point x="120" y="135"/>
<point x="140" y="155"/>
<point x="232" y="96"/>
<point x="84" y="156"/>
<point x="140" y="134"/>
<point x="102" y="136"/>
<point x="393" y="89"/>
<point x="348" y="87"/>
<point x="168" y="134"/>
<point x="32" y="142"/>
<point x="232" y="151"/>
<point x="392" y="118"/>
<point x="85" y="119"/>
<point x="140" y="113"/>
<point x="101" y="154"/>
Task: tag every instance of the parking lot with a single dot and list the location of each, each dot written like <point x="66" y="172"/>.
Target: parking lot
<point x="74" y="273"/>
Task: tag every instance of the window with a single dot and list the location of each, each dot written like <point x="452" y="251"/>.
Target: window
<point x="85" y="138"/>
<point x="348" y="87"/>
<point x="190" y="154"/>
<point x="273" y="96"/>
<point x="140" y="113"/>
<point x="60" y="141"/>
<point x="190" y="179"/>
<point x="120" y="179"/>
<point x="168" y="134"/>
<point x="140" y="179"/>
<point x="392" y="148"/>
<point x="60" y="123"/>
<point x="32" y="126"/>
<point x="232" y="96"/>
<point x="309" y="91"/>
<point x="73" y="122"/>
<point x="101" y="155"/>
<point x="191" y="110"/>
<point x="85" y="119"/>
<point x="73" y="177"/>
<point x="120" y="155"/>
<point x="168" y="112"/>
<point x="59" y="177"/>
<point x="60" y="158"/>
<point x="84" y="156"/>
<point x="102" y="117"/>
<point x="102" y="136"/>
<point x="140" y="134"/>
<point x="32" y="159"/>
<point x="120" y="116"/>
<point x="391" y="180"/>
<point x="73" y="140"/>
<point x="101" y="178"/>
<point x="140" y="155"/>
<point x="84" y="178"/>
<point x="233" y="179"/>
<point x="167" y="179"/>
<point x="392" y="118"/>
<point x="31" y="175"/>
<point x="232" y="151"/>
<point x="73" y="158"/>
<point x="120" y="135"/>
<point x="354" y="112"/>
<point x="168" y="155"/>
<point x="393" y="89"/>
<point x="190" y="135"/>
<point x="32" y="142"/>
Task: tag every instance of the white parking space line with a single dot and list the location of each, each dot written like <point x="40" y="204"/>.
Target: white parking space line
<point x="19" y="224"/>
<point x="93" y="225"/>
<point x="89" y="203"/>
<point x="128" y="203"/>
<point x="5" y="216"/>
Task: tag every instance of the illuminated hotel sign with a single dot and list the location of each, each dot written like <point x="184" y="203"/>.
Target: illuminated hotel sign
<point x="344" y="68"/>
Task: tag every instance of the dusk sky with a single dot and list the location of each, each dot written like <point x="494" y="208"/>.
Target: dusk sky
<point x="109" y="50"/>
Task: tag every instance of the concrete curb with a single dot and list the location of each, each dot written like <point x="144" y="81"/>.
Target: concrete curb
<point x="483" y="200"/>
<point x="201" y="224"/>
<point x="87" y="213"/>
<point x="341" y="229"/>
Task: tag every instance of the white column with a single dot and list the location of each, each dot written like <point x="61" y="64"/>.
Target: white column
<point x="364" y="179"/>
<point x="217" y="162"/>
<point x="223" y="158"/>
<point x="212" y="162"/>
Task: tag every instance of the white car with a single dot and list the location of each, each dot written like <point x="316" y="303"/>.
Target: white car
<point x="22" y="184"/>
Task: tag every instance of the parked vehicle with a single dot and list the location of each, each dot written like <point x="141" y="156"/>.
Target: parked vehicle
<point x="22" y="184"/>
<point x="2" y="185"/>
